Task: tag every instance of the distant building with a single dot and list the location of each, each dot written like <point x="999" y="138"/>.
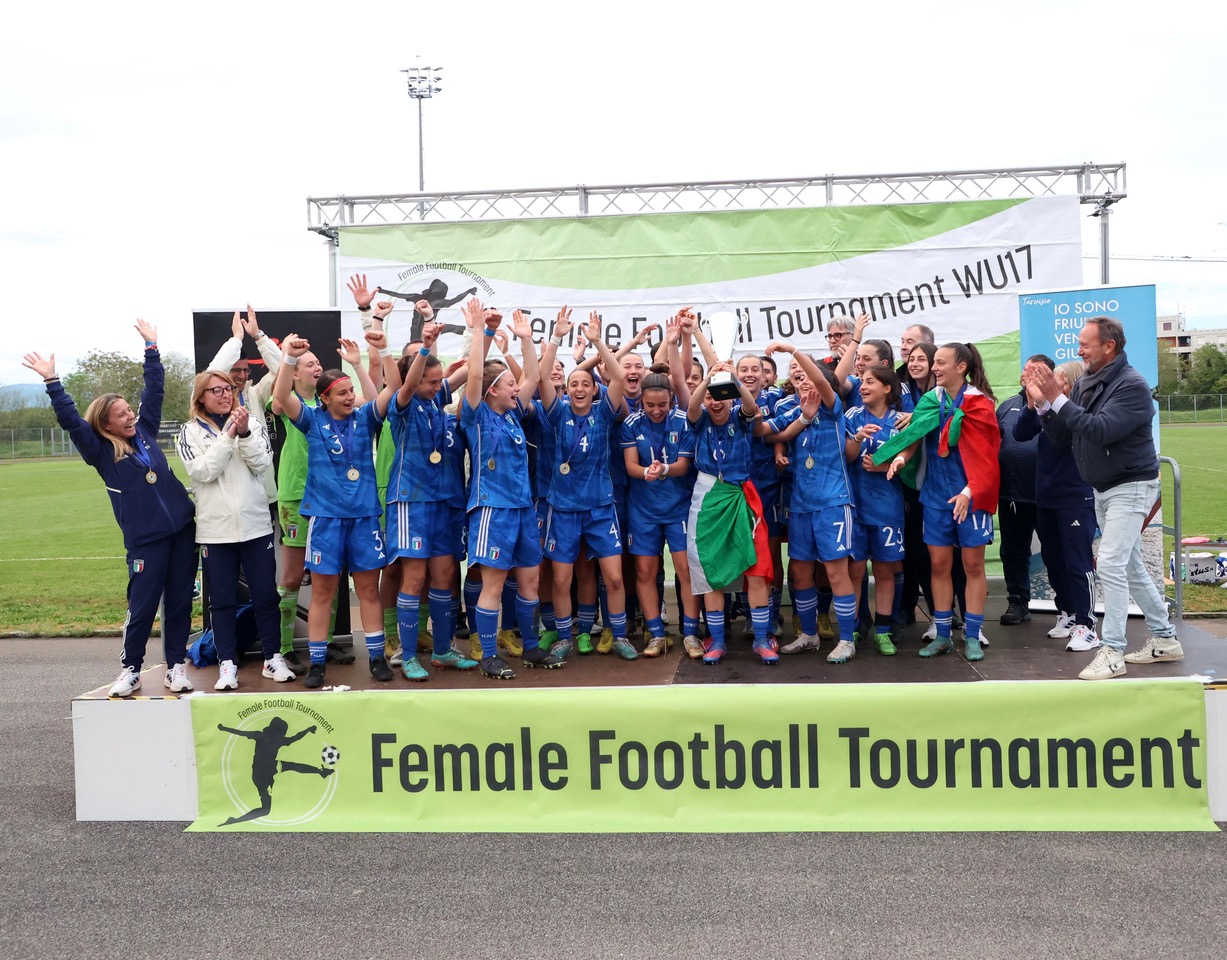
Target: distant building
<point x="1173" y="334"/>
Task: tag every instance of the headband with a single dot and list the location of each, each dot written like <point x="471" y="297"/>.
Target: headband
<point x="334" y="383"/>
<point x="496" y="380"/>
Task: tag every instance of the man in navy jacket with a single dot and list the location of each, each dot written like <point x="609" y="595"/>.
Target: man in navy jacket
<point x="1107" y="421"/>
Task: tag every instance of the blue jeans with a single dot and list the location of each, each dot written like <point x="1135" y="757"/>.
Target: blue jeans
<point x="1120" y="513"/>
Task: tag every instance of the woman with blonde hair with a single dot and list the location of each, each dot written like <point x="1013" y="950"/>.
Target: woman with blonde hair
<point x="150" y="506"/>
<point x="226" y="453"/>
<point x="1065" y="522"/>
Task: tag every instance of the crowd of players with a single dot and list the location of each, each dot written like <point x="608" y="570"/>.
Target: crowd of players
<point x="557" y="492"/>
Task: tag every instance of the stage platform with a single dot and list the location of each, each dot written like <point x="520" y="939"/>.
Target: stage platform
<point x="135" y="758"/>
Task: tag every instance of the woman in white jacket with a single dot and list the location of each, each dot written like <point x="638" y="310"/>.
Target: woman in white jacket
<point x="226" y="453"/>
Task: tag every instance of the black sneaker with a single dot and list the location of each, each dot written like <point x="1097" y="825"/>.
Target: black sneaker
<point x="315" y="677"/>
<point x="380" y="669"/>
<point x="338" y="654"/>
<point x="495" y="667"/>
<point x="1015" y="614"/>
<point x="294" y="662"/>
<point x="539" y="657"/>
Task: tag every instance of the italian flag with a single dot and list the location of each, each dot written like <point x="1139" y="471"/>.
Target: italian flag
<point x="729" y="537"/>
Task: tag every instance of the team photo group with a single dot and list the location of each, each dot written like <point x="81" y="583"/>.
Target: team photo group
<point x="527" y="505"/>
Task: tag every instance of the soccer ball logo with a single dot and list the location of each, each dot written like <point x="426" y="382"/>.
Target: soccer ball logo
<point x="330" y="756"/>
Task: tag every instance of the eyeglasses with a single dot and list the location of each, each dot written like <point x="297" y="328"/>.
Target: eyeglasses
<point x="838" y="335"/>
<point x="220" y="391"/>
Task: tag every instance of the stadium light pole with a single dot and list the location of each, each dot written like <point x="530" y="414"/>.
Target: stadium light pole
<point x="423" y="83"/>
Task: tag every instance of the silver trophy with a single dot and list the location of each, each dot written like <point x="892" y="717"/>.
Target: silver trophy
<point x="724" y="329"/>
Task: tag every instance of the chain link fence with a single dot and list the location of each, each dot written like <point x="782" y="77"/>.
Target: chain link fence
<point x="1194" y="408"/>
<point x="51" y="442"/>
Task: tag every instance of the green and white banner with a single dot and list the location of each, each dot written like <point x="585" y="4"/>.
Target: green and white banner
<point x="1128" y="755"/>
<point x="956" y="267"/>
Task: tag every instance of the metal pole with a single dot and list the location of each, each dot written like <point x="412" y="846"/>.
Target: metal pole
<point x="1104" y="210"/>
<point x="421" y="163"/>
<point x="1178" y="533"/>
<point x="332" y="272"/>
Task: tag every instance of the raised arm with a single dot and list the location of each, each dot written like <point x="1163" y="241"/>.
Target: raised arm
<point x="150" y="412"/>
<point x="475" y="314"/>
<point x="504" y="347"/>
<point x="270" y="353"/>
<point x="413" y="376"/>
<point x="562" y="327"/>
<point x="391" y="372"/>
<point x="690" y="324"/>
<point x="847" y="363"/>
<point x="678" y="367"/>
<point x="351" y="356"/>
<point x="292" y="348"/>
<point x="66" y="413"/>
<point x="637" y="341"/>
<point x="812" y="372"/>
<point x="528" y="350"/>
<point x="617" y="376"/>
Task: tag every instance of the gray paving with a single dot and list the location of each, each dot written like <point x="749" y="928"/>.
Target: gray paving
<point x="150" y="890"/>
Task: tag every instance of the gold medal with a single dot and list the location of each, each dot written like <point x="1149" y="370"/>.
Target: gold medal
<point x="564" y="468"/>
<point x="151" y="477"/>
<point x="809" y="463"/>
<point x="435" y="456"/>
<point x="490" y="464"/>
<point x="352" y="473"/>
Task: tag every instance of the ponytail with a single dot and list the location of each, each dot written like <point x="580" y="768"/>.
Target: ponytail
<point x="966" y="353"/>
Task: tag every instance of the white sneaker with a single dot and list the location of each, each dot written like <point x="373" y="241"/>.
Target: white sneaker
<point x="227" y="676"/>
<point x="983" y="638"/>
<point x="1064" y="626"/>
<point x="804" y="641"/>
<point x="1156" y="650"/>
<point x="931" y="633"/>
<point x="128" y="683"/>
<point x="1082" y="638"/>
<point x="843" y="652"/>
<point x="275" y="668"/>
<point x="1108" y="663"/>
<point x="176" y="678"/>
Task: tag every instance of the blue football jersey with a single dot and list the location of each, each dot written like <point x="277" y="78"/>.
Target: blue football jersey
<point x="723" y="450"/>
<point x="878" y="501"/>
<point x="582" y="444"/>
<point x="420" y="430"/>
<point x="334" y="447"/>
<point x="666" y="500"/>
<point x="498" y="456"/>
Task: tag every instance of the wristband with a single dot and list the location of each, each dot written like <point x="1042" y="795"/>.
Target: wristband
<point x="50" y="379"/>
<point x="385" y="353"/>
<point x="291" y="361"/>
<point x="244" y="436"/>
<point x="151" y="344"/>
<point x="645" y="472"/>
<point x="366" y="309"/>
<point x="900" y="459"/>
<point x="422" y="351"/>
<point x="489" y="332"/>
<point x="556" y="341"/>
<point x="806" y="420"/>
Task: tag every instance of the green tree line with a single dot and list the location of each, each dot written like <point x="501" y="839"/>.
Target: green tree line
<point x="106" y="371"/>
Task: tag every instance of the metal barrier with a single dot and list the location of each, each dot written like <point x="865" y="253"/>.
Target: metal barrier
<point x="1177" y="533"/>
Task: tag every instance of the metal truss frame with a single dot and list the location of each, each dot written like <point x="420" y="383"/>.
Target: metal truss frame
<point x="1093" y="183"/>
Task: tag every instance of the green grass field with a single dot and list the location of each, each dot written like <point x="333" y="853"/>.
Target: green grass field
<point x="62" y="570"/>
<point x="62" y="567"/>
<point x="1201" y="451"/>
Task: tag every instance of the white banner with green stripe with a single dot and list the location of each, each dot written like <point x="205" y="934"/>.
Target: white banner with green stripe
<point x="956" y="267"/>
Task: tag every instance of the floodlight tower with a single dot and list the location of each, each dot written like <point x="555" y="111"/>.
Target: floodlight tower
<point x="423" y="83"/>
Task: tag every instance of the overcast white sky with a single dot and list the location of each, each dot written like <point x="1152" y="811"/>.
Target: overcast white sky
<point x="157" y="157"/>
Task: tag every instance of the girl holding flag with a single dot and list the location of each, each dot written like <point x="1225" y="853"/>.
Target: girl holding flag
<point x="728" y="533"/>
<point x="955" y="429"/>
